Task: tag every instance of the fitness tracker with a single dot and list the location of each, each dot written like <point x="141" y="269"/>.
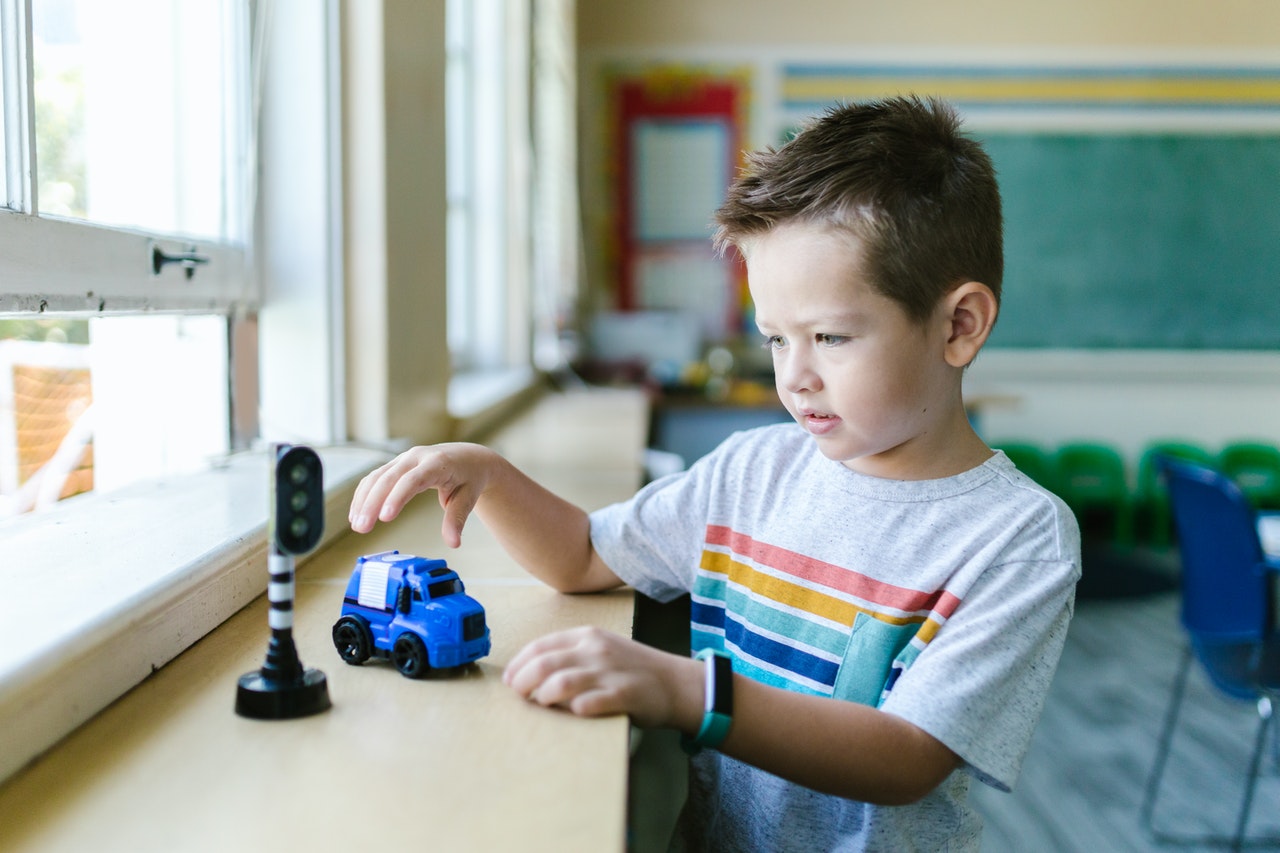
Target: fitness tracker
<point x="718" y="708"/>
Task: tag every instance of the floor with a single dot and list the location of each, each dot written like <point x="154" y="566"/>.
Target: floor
<point x="1082" y="782"/>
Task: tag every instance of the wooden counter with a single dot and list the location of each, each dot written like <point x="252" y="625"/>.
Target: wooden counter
<point x="446" y="763"/>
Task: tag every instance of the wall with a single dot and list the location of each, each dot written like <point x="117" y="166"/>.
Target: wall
<point x="1127" y="397"/>
<point x="394" y="204"/>
<point x="663" y="24"/>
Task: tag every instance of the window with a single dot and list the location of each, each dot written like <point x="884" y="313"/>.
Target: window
<point x="126" y="210"/>
<point x="146" y="571"/>
<point x="485" y="147"/>
<point x="512" y="187"/>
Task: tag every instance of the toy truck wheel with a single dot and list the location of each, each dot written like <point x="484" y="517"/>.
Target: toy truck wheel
<point x="351" y="639"/>
<point x="409" y="654"/>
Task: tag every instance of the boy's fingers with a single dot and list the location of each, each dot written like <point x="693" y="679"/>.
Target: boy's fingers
<point x="457" y="506"/>
<point x="521" y="673"/>
<point x="382" y="494"/>
<point x="361" y="496"/>
<point x="562" y="686"/>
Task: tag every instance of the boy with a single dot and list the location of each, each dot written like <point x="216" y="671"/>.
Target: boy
<point x="891" y="595"/>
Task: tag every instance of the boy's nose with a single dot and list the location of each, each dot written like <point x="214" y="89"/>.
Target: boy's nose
<point x="795" y="374"/>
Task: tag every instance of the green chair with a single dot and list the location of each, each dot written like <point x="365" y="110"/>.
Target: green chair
<point x="1153" y="520"/>
<point x="1254" y="466"/>
<point x="1032" y="460"/>
<point x="1093" y="483"/>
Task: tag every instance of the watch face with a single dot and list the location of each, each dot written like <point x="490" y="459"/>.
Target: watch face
<point x="721" y="693"/>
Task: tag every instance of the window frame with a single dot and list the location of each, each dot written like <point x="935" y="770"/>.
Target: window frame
<point x="166" y="601"/>
<point x="58" y="265"/>
<point x="488" y="83"/>
<point x="171" y="559"/>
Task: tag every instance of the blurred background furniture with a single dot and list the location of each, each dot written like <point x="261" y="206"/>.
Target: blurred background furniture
<point x="1152" y="520"/>
<point x="1227" y="614"/>
<point x="1092" y="480"/>
<point x="1254" y="466"/>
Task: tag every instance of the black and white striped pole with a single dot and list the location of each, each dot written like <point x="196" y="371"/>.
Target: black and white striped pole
<point x="282" y="689"/>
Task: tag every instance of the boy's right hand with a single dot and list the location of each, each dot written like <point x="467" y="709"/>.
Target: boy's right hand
<point x="458" y="472"/>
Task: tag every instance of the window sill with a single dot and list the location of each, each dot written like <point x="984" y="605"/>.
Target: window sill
<point x="479" y="400"/>
<point x="102" y="590"/>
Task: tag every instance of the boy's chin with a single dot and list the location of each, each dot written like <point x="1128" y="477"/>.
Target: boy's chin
<point x="837" y="453"/>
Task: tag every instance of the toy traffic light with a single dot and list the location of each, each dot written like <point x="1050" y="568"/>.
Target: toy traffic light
<point x="282" y="689"/>
<point x="298" y="489"/>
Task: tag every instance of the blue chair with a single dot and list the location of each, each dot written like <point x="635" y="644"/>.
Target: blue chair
<point x="1151" y="509"/>
<point x="1226" y="612"/>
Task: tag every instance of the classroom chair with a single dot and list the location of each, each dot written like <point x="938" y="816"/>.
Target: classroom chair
<point x="1152" y="521"/>
<point x="1032" y="460"/>
<point x="1255" y="468"/>
<point x="1092" y="481"/>
<point x="1226" y="615"/>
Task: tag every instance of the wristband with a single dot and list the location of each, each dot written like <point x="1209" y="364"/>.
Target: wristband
<point x="718" y="707"/>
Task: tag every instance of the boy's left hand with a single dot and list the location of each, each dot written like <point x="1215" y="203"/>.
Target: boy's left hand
<point x="595" y="673"/>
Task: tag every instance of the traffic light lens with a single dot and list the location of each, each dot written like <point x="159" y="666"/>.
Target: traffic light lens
<point x="298" y="499"/>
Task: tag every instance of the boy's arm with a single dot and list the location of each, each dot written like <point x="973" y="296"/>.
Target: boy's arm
<point x="835" y="746"/>
<point x="547" y="535"/>
<point x="829" y="745"/>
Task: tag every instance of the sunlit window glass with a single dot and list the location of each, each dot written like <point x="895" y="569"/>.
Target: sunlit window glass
<point x="102" y="403"/>
<point x="132" y="128"/>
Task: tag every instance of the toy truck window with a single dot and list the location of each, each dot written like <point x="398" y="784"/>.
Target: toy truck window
<point x="373" y="584"/>
<point x="443" y="588"/>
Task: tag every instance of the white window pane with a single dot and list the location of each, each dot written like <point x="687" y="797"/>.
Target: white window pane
<point x="139" y="121"/>
<point x="160" y="396"/>
<point x="100" y="404"/>
<point x="132" y="125"/>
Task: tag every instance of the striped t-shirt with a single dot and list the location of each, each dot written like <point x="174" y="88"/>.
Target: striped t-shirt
<point x="944" y="602"/>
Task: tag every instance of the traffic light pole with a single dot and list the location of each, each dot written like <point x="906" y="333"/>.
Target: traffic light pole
<point x="282" y="688"/>
<point x="282" y="656"/>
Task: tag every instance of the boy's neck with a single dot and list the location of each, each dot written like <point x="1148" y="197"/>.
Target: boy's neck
<point x="953" y="448"/>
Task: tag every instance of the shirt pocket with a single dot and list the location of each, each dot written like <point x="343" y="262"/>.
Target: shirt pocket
<point x="873" y="659"/>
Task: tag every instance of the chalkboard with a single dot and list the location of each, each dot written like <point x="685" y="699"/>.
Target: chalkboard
<point x="1146" y="240"/>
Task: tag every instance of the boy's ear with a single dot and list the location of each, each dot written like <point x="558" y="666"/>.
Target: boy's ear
<point x="971" y="311"/>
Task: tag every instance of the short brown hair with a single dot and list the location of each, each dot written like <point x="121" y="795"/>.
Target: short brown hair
<point x="901" y="176"/>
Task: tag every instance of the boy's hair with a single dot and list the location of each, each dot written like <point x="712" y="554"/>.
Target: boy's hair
<point x="900" y="175"/>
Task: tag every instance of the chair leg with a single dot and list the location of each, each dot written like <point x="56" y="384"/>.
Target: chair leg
<point x="1275" y="741"/>
<point x="1264" y="719"/>
<point x="1162" y="748"/>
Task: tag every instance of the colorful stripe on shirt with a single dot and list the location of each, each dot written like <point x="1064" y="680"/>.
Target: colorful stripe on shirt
<point x="787" y="617"/>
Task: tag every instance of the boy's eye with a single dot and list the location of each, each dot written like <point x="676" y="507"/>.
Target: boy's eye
<point x="830" y="340"/>
<point x="774" y="342"/>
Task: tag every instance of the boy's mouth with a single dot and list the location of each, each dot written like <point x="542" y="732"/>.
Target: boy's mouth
<point x="818" y="423"/>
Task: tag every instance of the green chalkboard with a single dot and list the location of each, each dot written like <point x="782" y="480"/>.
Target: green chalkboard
<point x="1140" y="241"/>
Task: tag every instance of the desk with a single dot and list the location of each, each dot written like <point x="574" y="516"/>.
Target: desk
<point x="445" y="763"/>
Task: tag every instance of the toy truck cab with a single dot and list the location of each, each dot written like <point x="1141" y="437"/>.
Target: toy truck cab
<point x="411" y="610"/>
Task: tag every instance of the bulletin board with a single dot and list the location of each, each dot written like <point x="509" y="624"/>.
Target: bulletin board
<point x="678" y="136"/>
<point x="1152" y="241"/>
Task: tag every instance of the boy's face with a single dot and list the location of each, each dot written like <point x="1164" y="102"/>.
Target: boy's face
<point x="870" y="385"/>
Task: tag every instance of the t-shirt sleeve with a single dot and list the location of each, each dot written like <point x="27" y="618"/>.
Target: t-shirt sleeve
<point x="980" y="685"/>
<point x="653" y="541"/>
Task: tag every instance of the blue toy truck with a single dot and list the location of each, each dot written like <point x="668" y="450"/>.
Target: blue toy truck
<point x="411" y="610"/>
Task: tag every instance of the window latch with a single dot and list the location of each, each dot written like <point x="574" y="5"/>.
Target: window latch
<point x="188" y="259"/>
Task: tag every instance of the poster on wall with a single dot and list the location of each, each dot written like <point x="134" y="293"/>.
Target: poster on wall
<point x="679" y="139"/>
